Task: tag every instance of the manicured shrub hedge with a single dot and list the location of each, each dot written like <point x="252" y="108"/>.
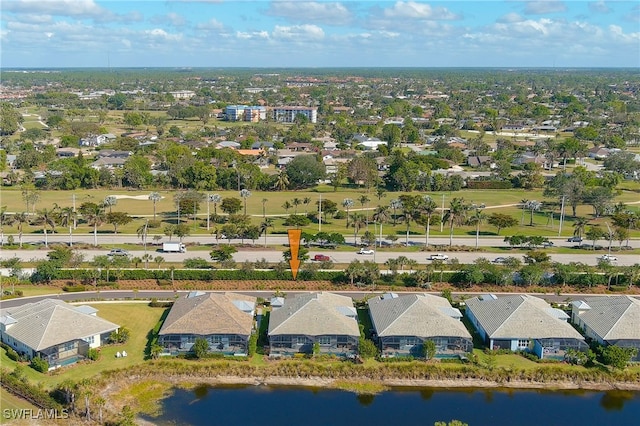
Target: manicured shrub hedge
<point x="489" y="184"/>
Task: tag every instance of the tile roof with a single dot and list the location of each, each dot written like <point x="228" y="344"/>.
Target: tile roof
<point x="50" y="322"/>
<point x="210" y="313"/>
<point x="519" y="316"/>
<point x="422" y="315"/>
<point x="613" y="317"/>
<point x="315" y="314"/>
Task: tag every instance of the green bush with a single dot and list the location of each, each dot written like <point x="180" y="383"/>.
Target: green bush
<point x="253" y="344"/>
<point x="73" y="288"/>
<point x="12" y="354"/>
<point x="39" y="364"/>
<point x="93" y="354"/>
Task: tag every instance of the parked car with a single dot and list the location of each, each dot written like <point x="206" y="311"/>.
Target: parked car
<point x="321" y="258"/>
<point x="365" y="251"/>
<point x="499" y="260"/>
<point x="547" y="244"/>
<point x="438" y="256"/>
<point x="608" y="258"/>
<point x="118" y="252"/>
<point x="575" y="240"/>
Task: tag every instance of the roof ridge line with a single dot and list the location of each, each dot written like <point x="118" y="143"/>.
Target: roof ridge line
<point x="398" y="317"/>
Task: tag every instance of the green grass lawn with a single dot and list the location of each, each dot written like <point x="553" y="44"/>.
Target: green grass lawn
<point x="9" y="401"/>
<point x="139" y="318"/>
<point x="143" y="209"/>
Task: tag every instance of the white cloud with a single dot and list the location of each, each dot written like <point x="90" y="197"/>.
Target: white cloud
<point x="160" y="34"/>
<point x="211" y="25"/>
<point x="298" y="32"/>
<point x="324" y="13"/>
<point x="255" y="35"/>
<point x="543" y="7"/>
<point x="599" y="7"/>
<point x="510" y="18"/>
<point x="76" y="8"/>
<point x="414" y="10"/>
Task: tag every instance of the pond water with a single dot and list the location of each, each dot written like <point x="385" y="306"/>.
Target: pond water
<point x="265" y="406"/>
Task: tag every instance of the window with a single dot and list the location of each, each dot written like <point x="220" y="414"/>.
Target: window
<point x="324" y="340"/>
<point x="412" y="341"/>
<point x="301" y="340"/>
<point x="90" y="340"/>
<point x="523" y="344"/>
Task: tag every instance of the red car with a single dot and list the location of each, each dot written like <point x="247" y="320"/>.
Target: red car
<point x="321" y="258"/>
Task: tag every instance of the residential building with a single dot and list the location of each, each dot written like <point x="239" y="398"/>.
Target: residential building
<point x="523" y="323"/>
<point x="225" y="320"/>
<point x="403" y="323"/>
<point x="288" y="114"/>
<point x="183" y="94"/>
<point x="609" y="320"/>
<point x="324" y="318"/>
<point x="53" y="330"/>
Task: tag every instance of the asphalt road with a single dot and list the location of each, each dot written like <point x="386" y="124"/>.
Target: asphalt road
<point x="110" y="239"/>
<point x="273" y="256"/>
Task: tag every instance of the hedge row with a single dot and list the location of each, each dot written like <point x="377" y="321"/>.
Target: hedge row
<point x="197" y="275"/>
<point x="489" y="184"/>
<point x="17" y="384"/>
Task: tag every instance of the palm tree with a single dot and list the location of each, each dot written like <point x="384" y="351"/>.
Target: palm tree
<point x="244" y="194"/>
<point x="67" y="217"/>
<point x="146" y="258"/>
<point x="286" y="206"/>
<point x="306" y="201"/>
<point x="365" y="200"/>
<point x="455" y="215"/>
<point x="381" y="215"/>
<point x="20" y="219"/>
<point x="95" y="216"/>
<point x="47" y="219"/>
<point x="395" y="204"/>
<point x="154" y="197"/>
<point x="477" y="218"/>
<point x="347" y="203"/>
<point x="264" y="209"/>
<point x="296" y="202"/>
<point x="215" y="199"/>
<point x="428" y="207"/>
<point x="282" y="181"/>
<point x="525" y="204"/>
<point x="264" y="227"/>
<point x="142" y="233"/>
<point x="357" y="222"/>
<point x="158" y="260"/>
<point x="410" y="212"/>
<point x="4" y="220"/>
<point x="110" y="201"/>
<point x="579" y="226"/>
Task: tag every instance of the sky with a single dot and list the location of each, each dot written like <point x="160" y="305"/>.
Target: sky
<point x="265" y="34"/>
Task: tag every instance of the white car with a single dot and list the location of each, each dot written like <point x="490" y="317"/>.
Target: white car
<point x="365" y="251"/>
<point x="608" y="258"/>
<point x="438" y="256"/>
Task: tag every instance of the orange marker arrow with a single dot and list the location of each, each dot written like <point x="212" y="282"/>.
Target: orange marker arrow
<point x="294" y="246"/>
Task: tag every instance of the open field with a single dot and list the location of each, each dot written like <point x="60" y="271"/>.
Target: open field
<point x="496" y="201"/>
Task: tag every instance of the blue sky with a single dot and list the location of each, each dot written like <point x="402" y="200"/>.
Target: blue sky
<point x="243" y="33"/>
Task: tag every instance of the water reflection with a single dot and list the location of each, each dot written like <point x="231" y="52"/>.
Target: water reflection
<point x="365" y="399"/>
<point x="615" y="400"/>
<point x="321" y="407"/>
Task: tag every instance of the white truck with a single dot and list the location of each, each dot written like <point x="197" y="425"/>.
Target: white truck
<point x="173" y="248"/>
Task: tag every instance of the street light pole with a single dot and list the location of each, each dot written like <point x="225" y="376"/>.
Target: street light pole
<point x="561" y="217"/>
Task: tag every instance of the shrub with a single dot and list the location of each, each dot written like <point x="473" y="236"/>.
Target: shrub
<point x="154" y="224"/>
<point x="73" y="288"/>
<point x="367" y="348"/>
<point x="93" y="354"/>
<point x="39" y="364"/>
<point x="120" y="336"/>
<point x="200" y="347"/>
<point x="12" y="354"/>
<point x="196" y="263"/>
<point x="253" y="344"/>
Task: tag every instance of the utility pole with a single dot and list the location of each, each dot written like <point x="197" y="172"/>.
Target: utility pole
<point x="441" y="222"/>
<point x="75" y="219"/>
<point x="561" y="217"/>
<point x="320" y="214"/>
